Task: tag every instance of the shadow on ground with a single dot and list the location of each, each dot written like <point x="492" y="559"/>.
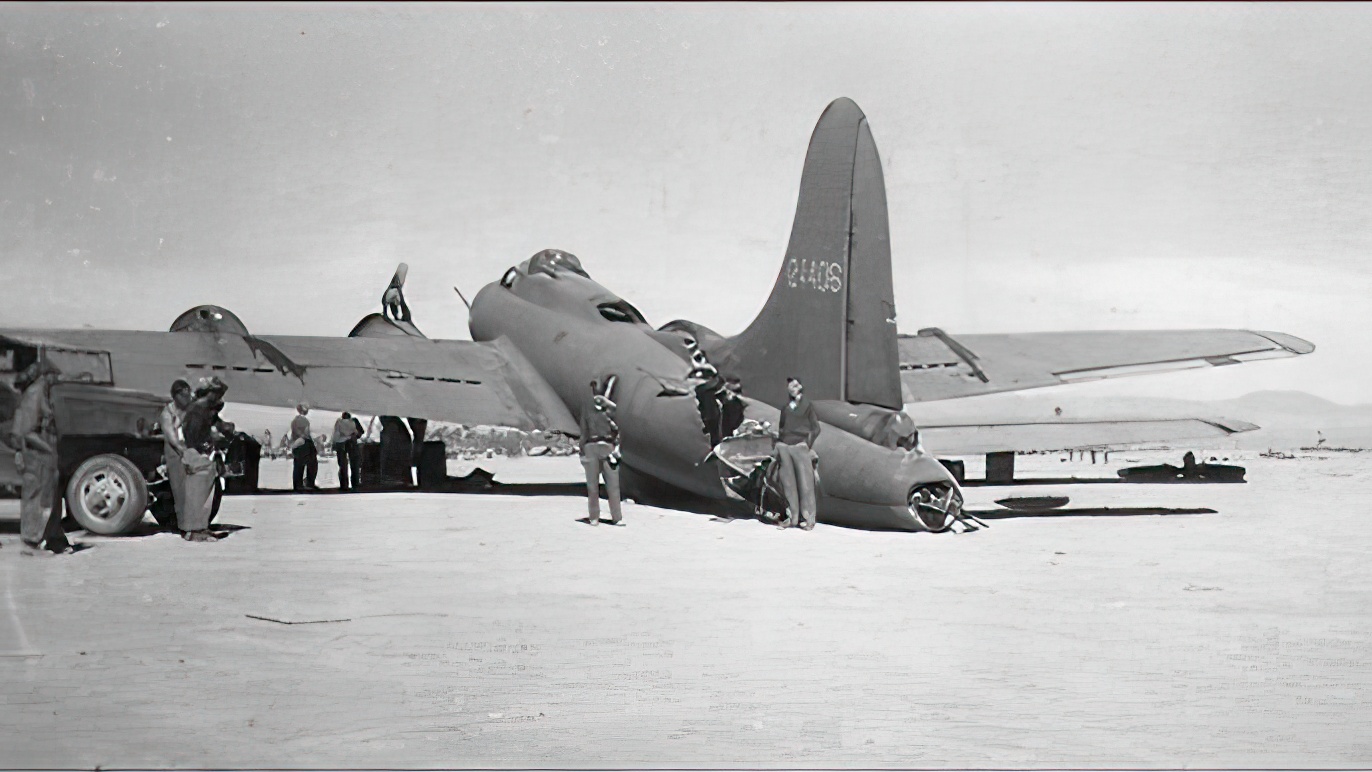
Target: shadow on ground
<point x="1007" y="514"/>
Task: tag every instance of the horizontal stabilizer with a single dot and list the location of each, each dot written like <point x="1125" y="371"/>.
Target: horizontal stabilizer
<point x="935" y="365"/>
<point x="974" y="439"/>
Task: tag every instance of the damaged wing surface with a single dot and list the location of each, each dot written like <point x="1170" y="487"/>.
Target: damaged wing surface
<point x="440" y="380"/>
<point x="935" y="365"/>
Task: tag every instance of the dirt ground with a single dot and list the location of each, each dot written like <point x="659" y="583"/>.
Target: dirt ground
<point x="496" y="630"/>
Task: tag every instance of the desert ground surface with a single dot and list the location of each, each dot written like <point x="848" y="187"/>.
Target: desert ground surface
<point x="1133" y="628"/>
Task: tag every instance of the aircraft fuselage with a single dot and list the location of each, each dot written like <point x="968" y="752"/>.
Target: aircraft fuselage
<point x="554" y="319"/>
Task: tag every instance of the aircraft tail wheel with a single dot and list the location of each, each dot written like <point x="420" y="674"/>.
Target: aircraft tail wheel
<point x="107" y="495"/>
<point x="936" y="507"/>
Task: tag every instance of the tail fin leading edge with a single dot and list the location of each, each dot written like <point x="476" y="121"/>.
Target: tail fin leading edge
<point x="830" y="320"/>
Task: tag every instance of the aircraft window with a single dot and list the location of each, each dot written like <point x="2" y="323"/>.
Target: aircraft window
<point x="621" y="311"/>
<point x="507" y="281"/>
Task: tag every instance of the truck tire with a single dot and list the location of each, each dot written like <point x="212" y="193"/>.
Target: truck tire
<point x="107" y="495"/>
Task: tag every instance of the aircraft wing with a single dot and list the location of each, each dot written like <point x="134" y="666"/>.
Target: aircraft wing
<point x="935" y="365"/>
<point x="441" y="380"/>
<point x="972" y="439"/>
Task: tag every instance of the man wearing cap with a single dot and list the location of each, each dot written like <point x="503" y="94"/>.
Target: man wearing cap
<point x="34" y="435"/>
<point x="600" y="454"/>
<point x="304" y="455"/>
<point x="173" y="446"/>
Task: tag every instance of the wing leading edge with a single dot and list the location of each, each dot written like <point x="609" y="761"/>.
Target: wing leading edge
<point x="935" y="365"/>
<point x="440" y="380"/>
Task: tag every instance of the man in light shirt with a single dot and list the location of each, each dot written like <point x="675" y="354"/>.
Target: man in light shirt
<point x="173" y="445"/>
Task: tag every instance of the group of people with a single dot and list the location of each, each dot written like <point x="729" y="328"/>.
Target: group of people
<point x="190" y="428"/>
<point x="721" y="407"/>
<point x="347" y="432"/>
<point x="191" y="425"/>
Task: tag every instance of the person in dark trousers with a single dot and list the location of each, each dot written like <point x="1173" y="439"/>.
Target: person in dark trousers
<point x="198" y="428"/>
<point x="795" y="455"/>
<point x="345" y="434"/>
<point x="709" y="388"/>
<point x="600" y="454"/>
<point x="304" y="455"/>
<point x="34" y="436"/>
<point x="173" y="445"/>
<point x="731" y="407"/>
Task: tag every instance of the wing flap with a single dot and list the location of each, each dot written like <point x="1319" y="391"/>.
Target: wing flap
<point x="934" y="365"/>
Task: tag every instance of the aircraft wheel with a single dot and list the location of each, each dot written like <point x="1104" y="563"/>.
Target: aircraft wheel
<point x="107" y="495"/>
<point x="936" y="507"/>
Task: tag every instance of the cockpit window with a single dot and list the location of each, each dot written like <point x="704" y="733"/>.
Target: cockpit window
<point x="507" y="281"/>
<point x="550" y="261"/>
<point x="621" y="311"/>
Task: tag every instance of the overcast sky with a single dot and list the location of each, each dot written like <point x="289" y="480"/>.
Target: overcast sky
<point x="1048" y="167"/>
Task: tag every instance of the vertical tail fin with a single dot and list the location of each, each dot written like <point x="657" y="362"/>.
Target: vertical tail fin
<point x="830" y="320"/>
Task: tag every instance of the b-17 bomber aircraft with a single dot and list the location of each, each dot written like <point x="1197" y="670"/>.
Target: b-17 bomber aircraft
<point x="545" y="329"/>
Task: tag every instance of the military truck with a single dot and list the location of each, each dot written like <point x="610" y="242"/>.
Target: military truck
<point x="109" y="441"/>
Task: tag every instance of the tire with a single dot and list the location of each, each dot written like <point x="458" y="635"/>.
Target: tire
<point x="107" y="495"/>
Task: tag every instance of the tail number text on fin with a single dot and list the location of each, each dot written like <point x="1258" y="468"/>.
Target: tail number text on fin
<point x="818" y="275"/>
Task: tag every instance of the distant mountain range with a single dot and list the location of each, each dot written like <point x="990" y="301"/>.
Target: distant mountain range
<point x="1289" y="419"/>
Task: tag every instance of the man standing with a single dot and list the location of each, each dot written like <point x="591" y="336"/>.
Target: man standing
<point x="600" y="454"/>
<point x="345" y="448"/>
<point x="709" y="388"/>
<point x="304" y="455"/>
<point x="798" y="430"/>
<point x="731" y="407"/>
<point x="34" y="435"/>
<point x="173" y="445"/>
<point x="197" y="432"/>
